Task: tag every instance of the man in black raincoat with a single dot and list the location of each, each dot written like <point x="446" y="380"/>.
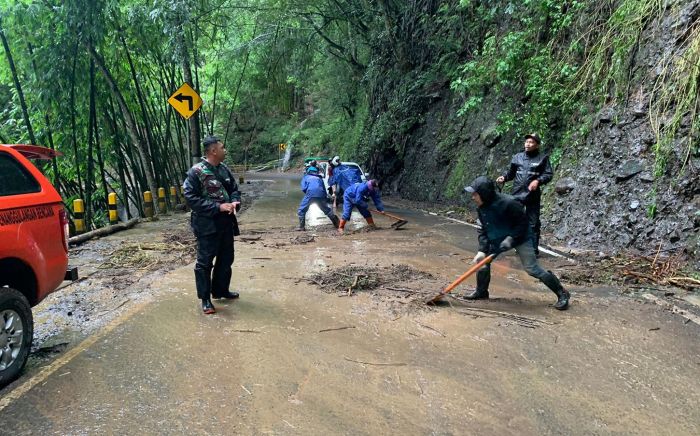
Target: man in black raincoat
<point x="529" y="170"/>
<point x="503" y="226"/>
<point x="212" y="193"/>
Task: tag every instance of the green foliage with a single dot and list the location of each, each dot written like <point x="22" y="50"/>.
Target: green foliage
<point x="457" y="179"/>
<point x="560" y="58"/>
<point x="675" y="101"/>
<point x="347" y="77"/>
<point x="513" y="60"/>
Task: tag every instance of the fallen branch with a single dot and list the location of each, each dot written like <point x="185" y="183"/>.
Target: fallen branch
<point x="433" y="329"/>
<point x="410" y="291"/>
<point x="374" y="363"/>
<point x="249" y="238"/>
<point x="103" y="231"/>
<point x="354" y="283"/>
<point x="104" y="312"/>
<point x="245" y="331"/>
<point x="508" y="315"/>
<point x="683" y="281"/>
<point x="337" y="328"/>
<point x="319" y="284"/>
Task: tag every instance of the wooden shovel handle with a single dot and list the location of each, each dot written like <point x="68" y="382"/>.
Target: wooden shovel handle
<point x="469" y="272"/>
<point x="389" y="215"/>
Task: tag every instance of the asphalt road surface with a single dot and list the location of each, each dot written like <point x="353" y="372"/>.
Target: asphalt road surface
<point x="287" y="358"/>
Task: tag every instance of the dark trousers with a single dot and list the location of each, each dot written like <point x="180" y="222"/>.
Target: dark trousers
<point x="220" y="246"/>
<point x="528" y="259"/>
<point x="347" y="209"/>
<point x="532" y="210"/>
<point x="322" y="204"/>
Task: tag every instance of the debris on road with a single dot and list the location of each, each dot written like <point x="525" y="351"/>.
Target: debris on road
<point x="337" y="328"/>
<point x="626" y="269"/>
<point x="346" y="280"/>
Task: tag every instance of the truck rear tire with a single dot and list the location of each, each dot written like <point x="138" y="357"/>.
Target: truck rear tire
<point x="16" y="333"/>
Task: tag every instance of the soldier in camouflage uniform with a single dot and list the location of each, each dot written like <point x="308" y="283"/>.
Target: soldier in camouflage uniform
<point x="212" y="193"/>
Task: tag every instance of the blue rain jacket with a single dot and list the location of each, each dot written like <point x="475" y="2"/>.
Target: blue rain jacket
<point x="312" y="186"/>
<point x="357" y="193"/>
<point x="344" y="176"/>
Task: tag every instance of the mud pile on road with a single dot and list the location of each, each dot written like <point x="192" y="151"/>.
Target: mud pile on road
<point x="383" y="282"/>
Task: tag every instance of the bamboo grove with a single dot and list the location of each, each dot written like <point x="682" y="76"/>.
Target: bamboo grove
<point x="91" y="78"/>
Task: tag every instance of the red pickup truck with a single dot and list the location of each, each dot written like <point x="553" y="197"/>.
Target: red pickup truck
<point x="33" y="250"/>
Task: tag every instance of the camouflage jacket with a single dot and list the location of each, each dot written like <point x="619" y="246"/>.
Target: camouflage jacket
<point x="206" y="187"/>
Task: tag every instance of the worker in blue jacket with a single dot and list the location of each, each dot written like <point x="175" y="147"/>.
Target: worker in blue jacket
<point x="357" y="195"/>
<point x="314" y="193"/>
<point x="343" y="177"/>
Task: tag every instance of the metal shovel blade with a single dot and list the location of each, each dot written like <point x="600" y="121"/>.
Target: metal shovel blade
<point x="398" y="221"/>
<point x="398" y="224"/>
<point x="437" y="297"/>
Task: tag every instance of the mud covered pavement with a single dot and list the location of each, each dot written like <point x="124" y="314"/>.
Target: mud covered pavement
<point x="328" y="338"/>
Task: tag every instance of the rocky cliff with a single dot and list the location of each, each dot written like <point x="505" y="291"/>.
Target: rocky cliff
<point x="626" y="173"/>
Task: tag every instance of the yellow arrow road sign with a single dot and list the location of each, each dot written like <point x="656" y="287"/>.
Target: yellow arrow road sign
<point x="186" y="101"/>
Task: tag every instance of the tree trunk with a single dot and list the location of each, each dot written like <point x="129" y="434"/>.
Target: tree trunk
<point x="120" y="159"/>
<point x="49" y="133"/>
<point x="100" y="159"/>
<point x="89" y="179"/>
<point x="238" y="85"/>
<point x="74" y="138"/>
<point x="131" y="126"/>
<point x="195" y="152"/>
<point x="18" y="85"/>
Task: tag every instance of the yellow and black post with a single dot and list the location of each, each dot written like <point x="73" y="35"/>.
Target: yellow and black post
<point x="112" y="207"/>
<point x="161" y="200"/>
<point x="173" y="197"/>
<point x="79" y="215"/>
<point x="148" y="204"/>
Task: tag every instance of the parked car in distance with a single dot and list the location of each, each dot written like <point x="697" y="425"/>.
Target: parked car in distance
<point x="318" y="159"/>
<point x="33" y="250"/>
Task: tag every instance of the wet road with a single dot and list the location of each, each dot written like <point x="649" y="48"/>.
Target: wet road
<point x="261" y="365"/>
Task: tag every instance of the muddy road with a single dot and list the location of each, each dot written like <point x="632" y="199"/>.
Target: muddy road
<point x="330" y="337"/>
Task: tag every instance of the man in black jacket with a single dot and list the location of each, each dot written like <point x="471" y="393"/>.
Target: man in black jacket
<point x="503" y="226"/>
<point x="212" y="193"/>
<point x="529" y="170"/>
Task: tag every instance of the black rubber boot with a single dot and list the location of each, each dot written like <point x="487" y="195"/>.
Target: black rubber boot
<point x="478" y="294"/>
<point x="207" y="307"/>
<point x="302" y="224"/>
<point x="555" y="286"/>
<point x="336" y="221"/>
<point x="483" y="278"/>
<point x="228" y="295"/>
<point x="562" y="300"/>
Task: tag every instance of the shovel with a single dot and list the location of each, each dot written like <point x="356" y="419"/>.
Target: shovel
<point x="434" y="299"/>
<point x="400" y="222"/>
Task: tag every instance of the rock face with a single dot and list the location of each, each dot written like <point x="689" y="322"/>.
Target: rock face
<point x="609" y="193"/>
<point x="565" y="185"/>
<point x="630" y="209"/>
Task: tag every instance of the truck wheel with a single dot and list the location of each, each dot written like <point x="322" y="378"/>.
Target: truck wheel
<point x="16" y="331"/>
